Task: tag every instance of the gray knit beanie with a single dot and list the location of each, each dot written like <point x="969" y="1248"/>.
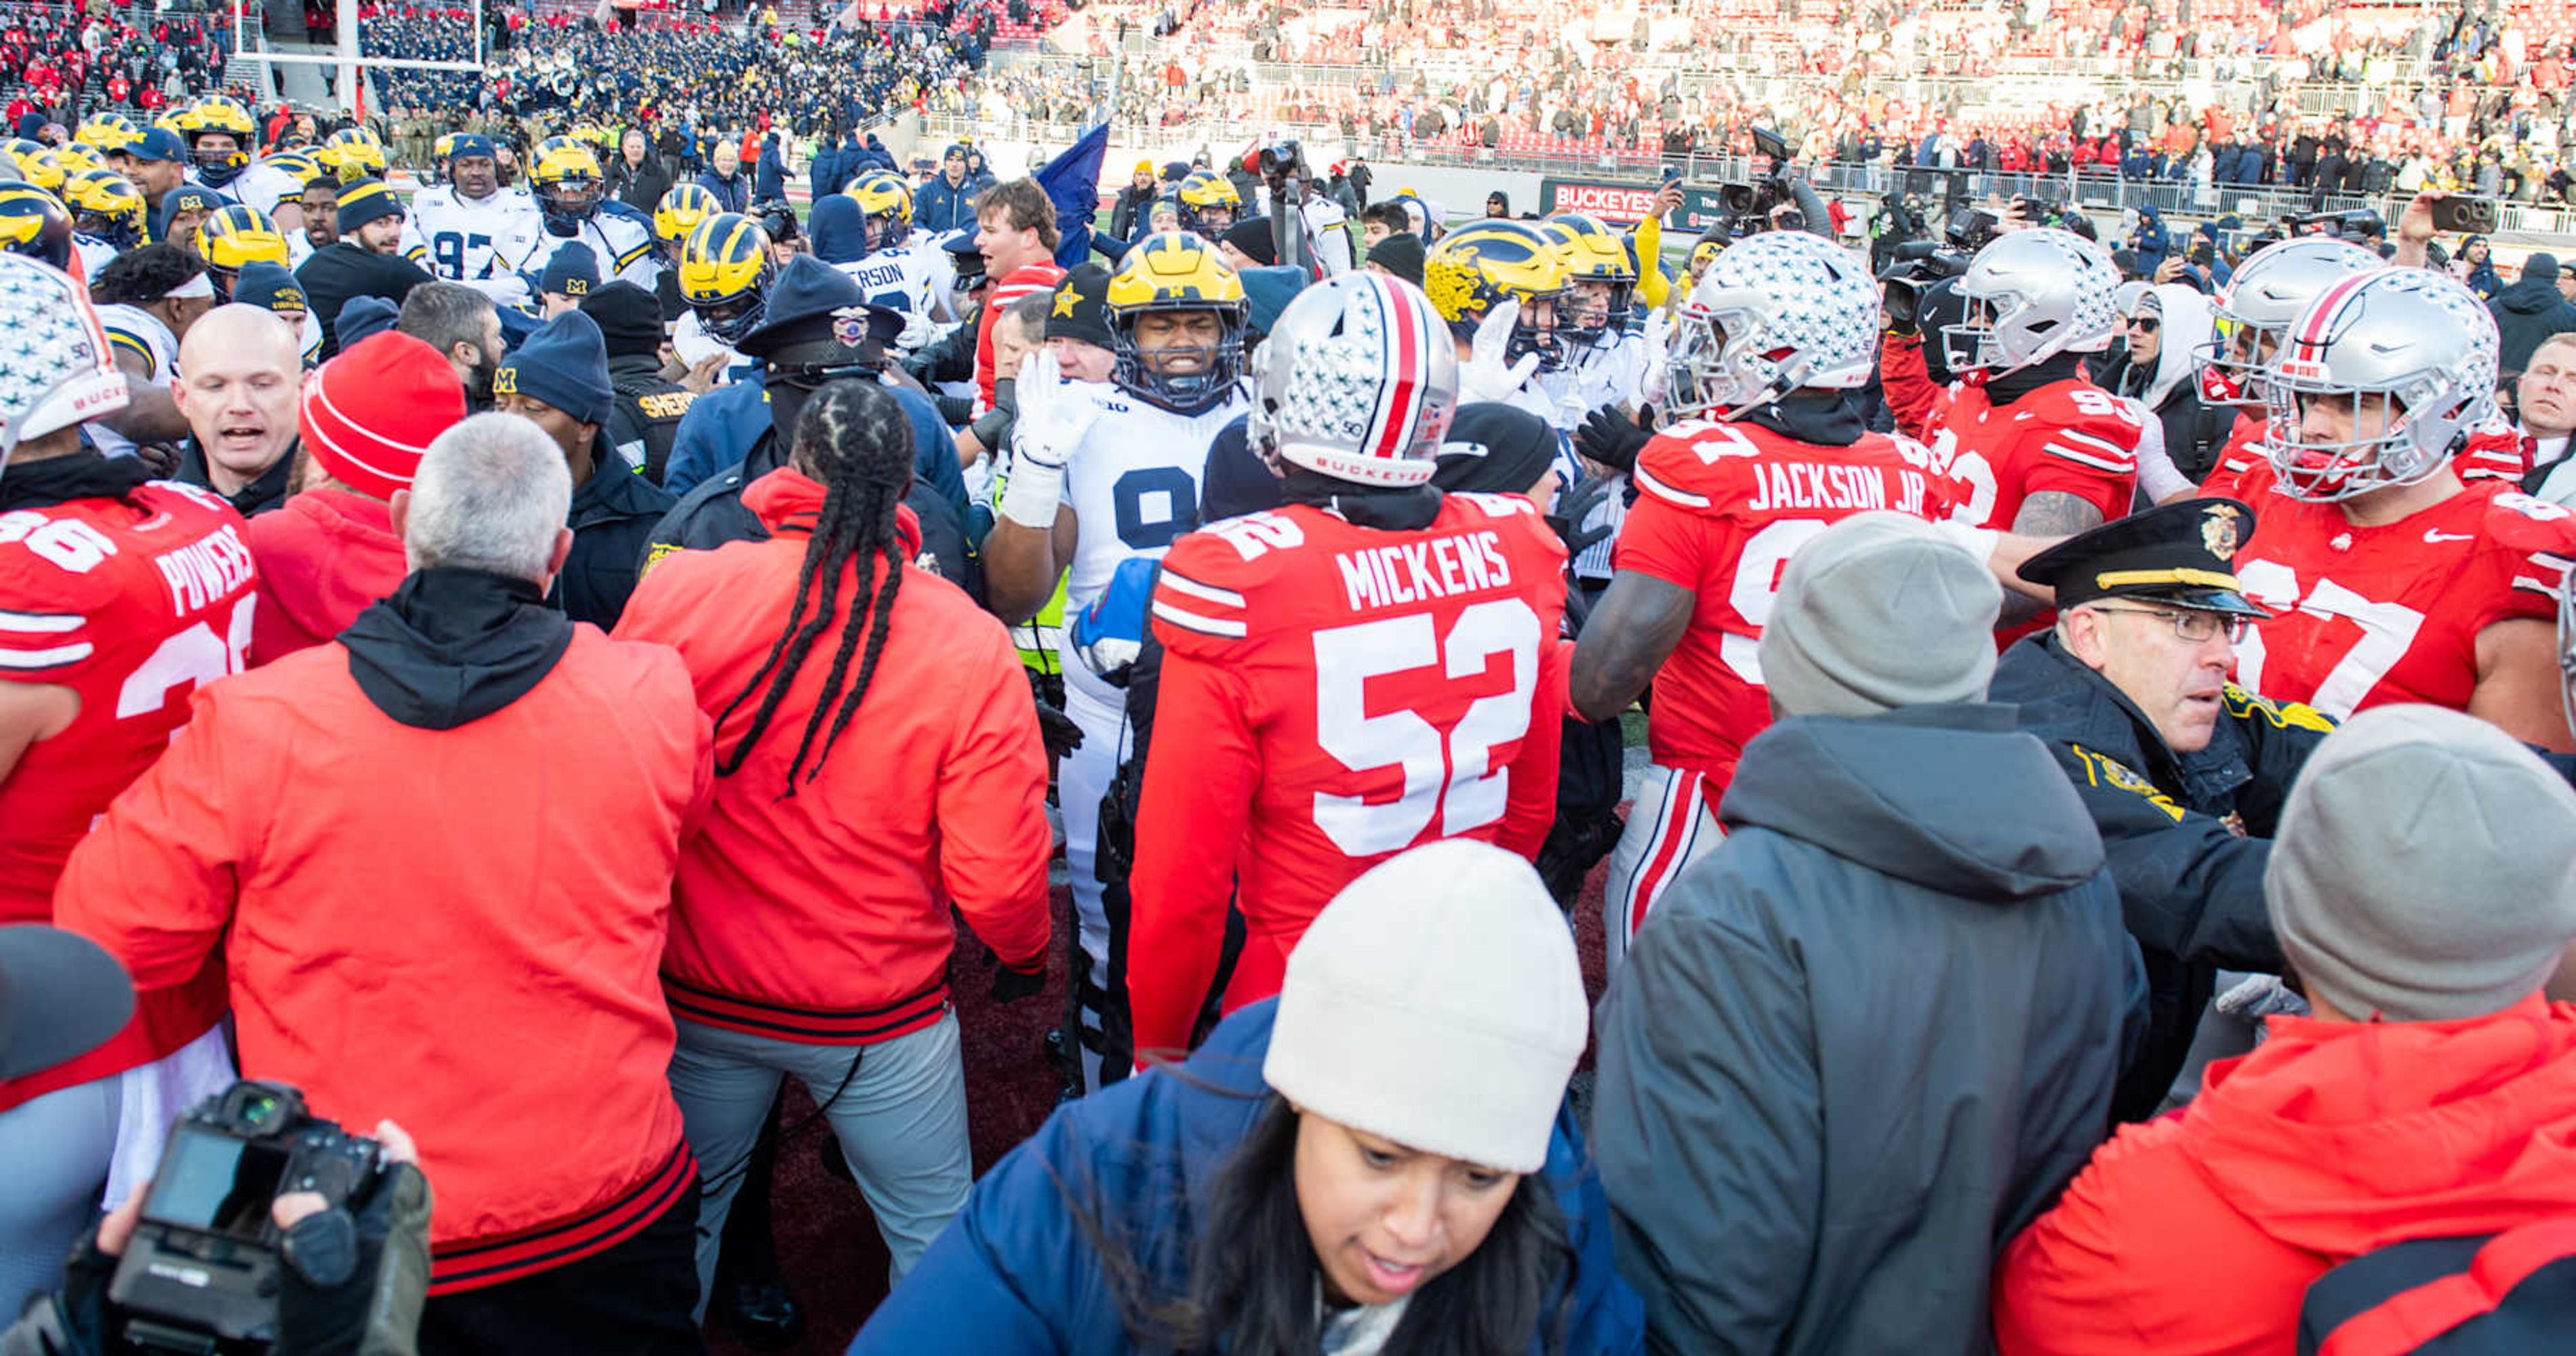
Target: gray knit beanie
<point x="2425" y="868"/>
<point x="1436" y="1002"/>
<point x="1876" y="613"/>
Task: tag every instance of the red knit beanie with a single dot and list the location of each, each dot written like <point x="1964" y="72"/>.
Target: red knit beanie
<point x="371" y="412"/>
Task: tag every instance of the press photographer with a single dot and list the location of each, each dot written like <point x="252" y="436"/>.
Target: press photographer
<point x="264" y="1229"/>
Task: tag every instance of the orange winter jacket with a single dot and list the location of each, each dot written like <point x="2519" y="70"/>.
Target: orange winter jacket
<point x="2200" y="1232"/>
<point x="456" y="928"/>
<point x="823" y="916"/>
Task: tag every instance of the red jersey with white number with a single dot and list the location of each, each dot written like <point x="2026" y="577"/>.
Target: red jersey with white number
<point x="1721" y="508"/>
<point x="1332" y="695"/>
<point x="130" y="603"/>
<point x="2069" y="436"/>
<point x="2365" y="616"/>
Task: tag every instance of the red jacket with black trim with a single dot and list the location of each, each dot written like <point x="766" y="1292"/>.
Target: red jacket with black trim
<point x="2201" y="1231"/>
<point x="822" y="917"/>
<point x="460" y="929"/>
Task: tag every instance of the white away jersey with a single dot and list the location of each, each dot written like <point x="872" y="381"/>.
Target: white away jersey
<point x="1133" y="486"/>
<point x="481" y="243"/>
<point x="263" y="186"/>
<point x="134" y="334"/>
<point x="905" y="278"/>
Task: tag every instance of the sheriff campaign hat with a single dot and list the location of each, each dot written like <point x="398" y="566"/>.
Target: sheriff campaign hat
<point x="2181" y="554"/>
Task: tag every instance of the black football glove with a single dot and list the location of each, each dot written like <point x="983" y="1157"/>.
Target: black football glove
<point x="1061" y="735"/>
<point x="1572" y="507"/>
<point x="1611" y="438"/>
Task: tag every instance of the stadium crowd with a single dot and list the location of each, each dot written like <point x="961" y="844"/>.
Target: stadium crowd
<point x="1282" y="767"/>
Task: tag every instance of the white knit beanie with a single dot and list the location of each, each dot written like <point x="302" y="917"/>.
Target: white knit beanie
<point x="1436" y="1002"/>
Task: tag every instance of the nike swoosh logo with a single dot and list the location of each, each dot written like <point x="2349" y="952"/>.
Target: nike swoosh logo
<point x="2436" y="538"/>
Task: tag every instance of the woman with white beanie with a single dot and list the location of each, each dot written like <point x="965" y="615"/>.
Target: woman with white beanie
<point x="1375" y="1161"/>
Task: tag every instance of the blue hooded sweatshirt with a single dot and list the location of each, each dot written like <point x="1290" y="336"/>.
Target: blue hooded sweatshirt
<point x="838" y="227"/>
<point x="1017" y="1273"/>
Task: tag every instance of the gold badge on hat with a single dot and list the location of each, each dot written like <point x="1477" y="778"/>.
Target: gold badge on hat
<point x="2218" y="530"/>
<point x="1066" y="300"/>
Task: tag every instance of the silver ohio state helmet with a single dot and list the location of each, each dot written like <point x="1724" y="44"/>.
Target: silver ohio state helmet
<point x="1780" y="311"/>
<point x="2032" y="295"/>
<point x="2410" y="352"/>
<point x="1357" y="381"/>
<point x="2256" y="307"/>
<point x="61" y="371"/>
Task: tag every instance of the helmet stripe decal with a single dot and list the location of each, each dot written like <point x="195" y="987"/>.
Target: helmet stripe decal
<point x="1399" y="411"/>
<point x="2321" y="312"/>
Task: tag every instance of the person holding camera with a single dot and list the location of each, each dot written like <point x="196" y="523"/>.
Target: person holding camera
<point x="477" y="953"/>
<point x="354" y="1268"/>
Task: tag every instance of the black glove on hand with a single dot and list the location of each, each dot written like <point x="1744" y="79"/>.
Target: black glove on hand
<point x="73" y="1321"/>
<point x="991" y="428"/>
<point x="1061" y="735"/>
<point x="356" y="1275"/>
<point x="1010" y="986"/>
<point x="1572" y="507"/>
<point x="1611" y="438"/>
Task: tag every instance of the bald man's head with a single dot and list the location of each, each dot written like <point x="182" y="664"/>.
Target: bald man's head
<point x="240" y="369"/>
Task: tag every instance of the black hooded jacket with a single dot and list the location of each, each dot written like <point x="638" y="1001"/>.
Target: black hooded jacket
<point x="265" y="491"/>
<point x="613" y="517"/>
<point x="451" y="646"/>
<point x="2530" y="311"/>
<point x="1867" y="1041"/>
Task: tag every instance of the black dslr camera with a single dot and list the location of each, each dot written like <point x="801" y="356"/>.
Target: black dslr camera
<point x="202" y="1273"/>
<point x="1914" y="268"/>
<point x="1277" y="159"/>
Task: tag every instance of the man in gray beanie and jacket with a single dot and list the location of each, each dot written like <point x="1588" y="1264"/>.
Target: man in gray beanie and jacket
<point x="1877" y="1029"/>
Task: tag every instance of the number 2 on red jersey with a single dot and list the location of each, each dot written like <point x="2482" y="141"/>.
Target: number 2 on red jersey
<point x="1449" y="774"/>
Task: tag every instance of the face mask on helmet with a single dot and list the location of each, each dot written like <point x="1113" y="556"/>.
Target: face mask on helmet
<point x="2229" y="365"/>
<point x="1182" y="376"/>
<point x="886" y="230"/>
<point x="1593" y="310"/>
<point x="2330" y="443"/>
<point x="729" y="319"/>
<point x="568" y="202"/>
<point x="219" y="158"/>
<point x="1538" y="330"/>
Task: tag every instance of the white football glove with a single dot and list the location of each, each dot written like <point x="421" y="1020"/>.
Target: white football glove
<point x="1488" y="375"/>
<point x="1052" y="422"/>
<point x="1656" y="380"/>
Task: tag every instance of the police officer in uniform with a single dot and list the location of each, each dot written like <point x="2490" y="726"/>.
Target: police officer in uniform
<point x="647" y="413"/>
<point x="818" y="328"/>
<point x="2184" y="772"/>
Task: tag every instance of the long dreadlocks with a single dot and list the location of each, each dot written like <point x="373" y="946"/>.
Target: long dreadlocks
<point x="854" y="438"/>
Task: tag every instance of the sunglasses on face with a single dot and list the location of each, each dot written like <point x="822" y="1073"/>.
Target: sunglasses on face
<point x="2146" y="324"/>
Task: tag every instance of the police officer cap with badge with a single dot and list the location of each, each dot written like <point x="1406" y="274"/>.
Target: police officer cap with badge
<point x="2182" y="772"/>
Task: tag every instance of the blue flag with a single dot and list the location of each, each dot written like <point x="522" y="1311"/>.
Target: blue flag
<point x="1072" y="182"/>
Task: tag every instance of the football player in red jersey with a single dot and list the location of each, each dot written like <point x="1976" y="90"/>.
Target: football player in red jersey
<point x="2247" y="326"/>
<point x="118" y="595"/>
<point x="1373" y="666"/>
<point x="2030" y="442"/>
<point x="1769" y="450"/>
<point x="2389" y="579"/>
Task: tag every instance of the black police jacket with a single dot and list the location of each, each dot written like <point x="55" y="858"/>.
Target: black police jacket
<point x="2187" y="834"/>
<point x="613" y="517"/>
<point x="712" y="514"/>
<point x="646" y="416"/>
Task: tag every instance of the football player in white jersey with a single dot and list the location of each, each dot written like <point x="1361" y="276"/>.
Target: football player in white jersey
<point x="573" y="204"/>
<point x="147" y="298"/>
<point x="900" y="270"/>
<point x="1607" y="364"/>
<point x="472" y="230"/>
<point x="1103" y="473"/>
<point x="1476" y="276"/>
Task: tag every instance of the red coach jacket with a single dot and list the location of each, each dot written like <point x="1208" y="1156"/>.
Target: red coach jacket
<point x="459" y="928"/>
<point x="822" y="917"/>
<point x="2201" y="1231"/>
